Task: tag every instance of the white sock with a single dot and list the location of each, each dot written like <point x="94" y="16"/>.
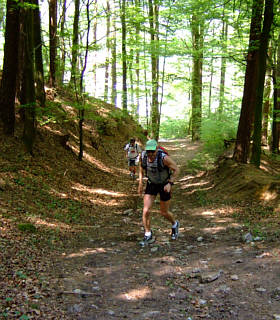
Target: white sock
<point x="175" y="224"/>
<point x="148" y="233"/>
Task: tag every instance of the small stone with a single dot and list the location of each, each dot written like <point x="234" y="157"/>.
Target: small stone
<point x="202" y="302"/>
<point x="261" y="290"/>
<point x="199" y="239"/>
<point x="78" y="291"/>
<point x="210" y="277"/>
<point x="247" y="237"/>
<point x="151" y="314"/>
<point x="196" y="270"/>
<point x="154" y="249"/>
<point x="234" y="277"/>
<point x="111" y="312"/>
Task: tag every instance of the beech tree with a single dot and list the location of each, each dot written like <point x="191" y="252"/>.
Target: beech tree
<point x="10" y="67"/>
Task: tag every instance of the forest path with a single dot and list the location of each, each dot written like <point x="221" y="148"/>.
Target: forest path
<point x="208" y="273"/>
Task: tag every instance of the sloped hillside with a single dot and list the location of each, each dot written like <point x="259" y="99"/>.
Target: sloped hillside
<point x="50" y="199"/>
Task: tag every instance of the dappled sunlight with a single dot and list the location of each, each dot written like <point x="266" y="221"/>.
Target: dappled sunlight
<point x="85" y="252"/>
<point x="83" y="188"/>
<point x="268" y="195"/>
<point x="135" y="294"/>
<point x="52" y="225"/>
<point x="197" y="184"/>
<point x="208" y="213"/>
<point x="92" y="160"/>
<point x="214" y="230"/>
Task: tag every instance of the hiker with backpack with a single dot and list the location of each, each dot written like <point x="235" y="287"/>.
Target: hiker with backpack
<point x="161" y="171"/>
<point x="133" y="152"/>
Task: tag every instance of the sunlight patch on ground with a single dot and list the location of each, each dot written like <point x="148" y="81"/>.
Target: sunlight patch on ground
<point x="41" y="222"/>
<point x="85" y="252"/>
<point x="83" y="188"/>
<point x="91" y="159"/>
<point x="214" y="230"/>
<point x="208" y="213"/>
<point x="198" y="184"/>
<point x="135" y="294"/>
<point x="268" y="195"/>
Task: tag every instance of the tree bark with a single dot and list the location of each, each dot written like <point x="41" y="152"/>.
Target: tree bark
<point x="242" y="146"/>
<point x="265" y="35"/>
<point x="39" y="69"/>
<point x="197" y="41"/>
<point x="53" y="41"/>
<point x="75" y="43"/>
<point x="28" y="88"/>
<point x="276" y="103"/>
<point x="155" y="116"/>
<point x="124" y="54"/>
<point x="10" y="68"/>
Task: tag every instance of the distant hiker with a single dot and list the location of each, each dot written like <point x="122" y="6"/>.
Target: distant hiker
<point x="161" y="172"/>
<point x="133" y="152"/>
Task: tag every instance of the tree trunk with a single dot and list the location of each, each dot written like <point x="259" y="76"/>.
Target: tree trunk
<point x="153" y="16"/>
<point x="114" y="57"/>
<point x="124" y="55"/>
<point x="265" y="35"/>
<point x="242" y="146"/>
<point x="62" y="43"/>
<point x="28" y="88"/>
<point x="10" y="68"/>
<point x="75" y="43"/>
<point x="197" y="41"/>
<point x="53" y="40"/>
<point x="107" y="61"/>
<point x="266" y="104"/>
<point x="276" y="103"/>
<point x="39" y="69"/>
<point x="223" y="68"/>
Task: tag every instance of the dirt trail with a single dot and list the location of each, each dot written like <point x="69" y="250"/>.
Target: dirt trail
<point x="208" y="273"/>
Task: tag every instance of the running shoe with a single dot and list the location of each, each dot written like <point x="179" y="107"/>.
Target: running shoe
<point x="175" y="231"/>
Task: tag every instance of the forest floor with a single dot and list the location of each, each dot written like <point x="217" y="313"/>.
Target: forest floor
<point x="224" y="265"/>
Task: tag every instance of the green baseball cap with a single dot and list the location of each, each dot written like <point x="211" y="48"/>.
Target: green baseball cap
<point x="151" y="145"/>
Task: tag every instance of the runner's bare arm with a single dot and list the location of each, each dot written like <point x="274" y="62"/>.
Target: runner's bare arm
<point x="170" y="163"/>
<point x="141" y="175"/>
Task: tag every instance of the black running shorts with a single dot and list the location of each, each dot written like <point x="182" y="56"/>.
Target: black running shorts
<point x="153" y="189"/>
<point x="131" y="162"/>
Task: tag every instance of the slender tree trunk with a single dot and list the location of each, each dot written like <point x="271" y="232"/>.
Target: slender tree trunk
<point x="10" y="68"/>
<point x="39" y="69"/>
<point x="82" y="109"/>
<point x="265" y="35"/>
<point x="53" y="41"/>
<point x="153" y="14"/>
<point x="114" y="57"/>
<point x="75" y="43"/>
<point x="276" y="103"/>
<point x="242" y="146"/>
<point x="124" y="54"/>
<point x="62" y="43"/>
<point x="28" y="86"/>
<point x="197" y="40"/>
<point x="266" y="104"/>
<point x="94" y="68"/>
<point x="223" y="68"/>
<point x="107" y="60"/>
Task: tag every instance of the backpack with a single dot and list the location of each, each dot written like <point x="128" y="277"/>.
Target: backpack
<point x="160" y="165"/>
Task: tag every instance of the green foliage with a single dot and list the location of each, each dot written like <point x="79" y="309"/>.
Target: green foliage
<point x="173" y="128"/>
<point x="27" y="227"/>
<point x="214" y="130"/>
<point x="202" y="161"/>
